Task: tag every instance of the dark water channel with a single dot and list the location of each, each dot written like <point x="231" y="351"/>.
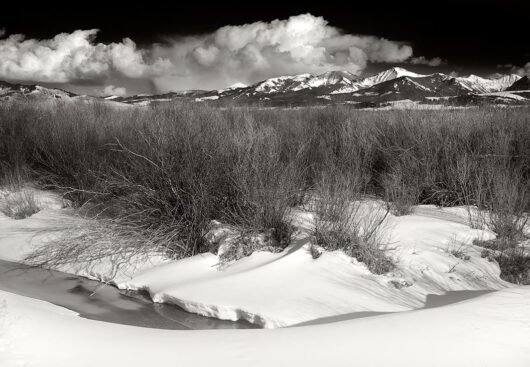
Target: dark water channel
<point x="97" y="301"/>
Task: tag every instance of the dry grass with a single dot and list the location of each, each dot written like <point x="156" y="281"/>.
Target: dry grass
<point x="401" y="196"/>
<point x="346" y="222"/>
<point x="19" y="205"/>
<point x="515" y="265"/>
<point x="170" y="170"/>
<point x="509" y="200"/>
<point x="93" y="242"/>
<point x="458" y="250"/>
<point x="243" y="245"/>
<point x="513" y="259"/>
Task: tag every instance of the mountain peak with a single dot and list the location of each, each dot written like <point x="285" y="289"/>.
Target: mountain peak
<point x="237" y="86"/>
<point x="398" y="69"/>
<point x="484" y="85"/>
<point x="521" y="84"/>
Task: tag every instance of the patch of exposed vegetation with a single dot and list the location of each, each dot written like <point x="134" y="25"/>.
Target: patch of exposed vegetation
<point x="513" y="259"/>
<point x="19" y="204"/>
<point x="459" y="250"/>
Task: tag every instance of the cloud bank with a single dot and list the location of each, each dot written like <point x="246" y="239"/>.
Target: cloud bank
<point x="522" y="71"/>
<point x="73" y="57"/>
<point x="519" y="70"/>
<point x="260" y="50"/>
<point x="244" y="53"/>
<point x="111" y="90"/>
<point x="421" y="60"/>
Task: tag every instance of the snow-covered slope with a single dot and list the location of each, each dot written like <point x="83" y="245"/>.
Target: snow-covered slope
<point x="301" y="82"/>
<point x="282" y="84"/>
<point x="482" y="85"/>
<point x="232" y="87"/>
<point x="390" y="74"/>
<point x="339" y="81"/>
<point x="521" y="84"/>
<point x="332" y="78"/>
<point x="302" y="288"/>
<point x="491" y="330"/>
<point x="506" y="81"/>
<point x="381" y="77"/>
<point x="397" y="89"/>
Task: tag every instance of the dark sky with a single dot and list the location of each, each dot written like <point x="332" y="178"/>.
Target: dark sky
<point x="473" y="36"/>
<point x="466" y="32"/>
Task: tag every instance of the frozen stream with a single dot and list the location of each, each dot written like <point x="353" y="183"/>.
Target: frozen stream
<point x="97" y="301"/>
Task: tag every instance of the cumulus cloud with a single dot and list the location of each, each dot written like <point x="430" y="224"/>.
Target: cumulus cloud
<point x="422" y="60"/>
<point x="111" y="90"/>
<point x="243" y="53"/>
<point x="522" y="71"/>
<point x="71" y="57"/>
<point x="495" y="75"/>
<point x="251" y="52"/>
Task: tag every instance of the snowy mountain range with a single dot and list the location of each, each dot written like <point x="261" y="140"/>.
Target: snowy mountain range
<point x="333" y="87"/>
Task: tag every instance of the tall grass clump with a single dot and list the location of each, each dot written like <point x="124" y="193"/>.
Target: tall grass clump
<point x="346" y="221"/>
<point x="507" y="200"/>
<point x="343" y="149"/>
<point x="401" y="188"/>
<point x="16" y="201"/>
<point x="265" y="183"/>
<point x="19" y="205"/>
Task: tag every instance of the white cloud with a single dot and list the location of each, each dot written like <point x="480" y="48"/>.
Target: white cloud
<point x="525" y="70"/>
<point x="495" y="76"/>
<point x="422" y="60"/>
<point x="251" y="52"/>
<point x="244" y="53"/>
<point x="111" y="90"/>
<point x="71" y="57"/>
<point x="520" y="70"/>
